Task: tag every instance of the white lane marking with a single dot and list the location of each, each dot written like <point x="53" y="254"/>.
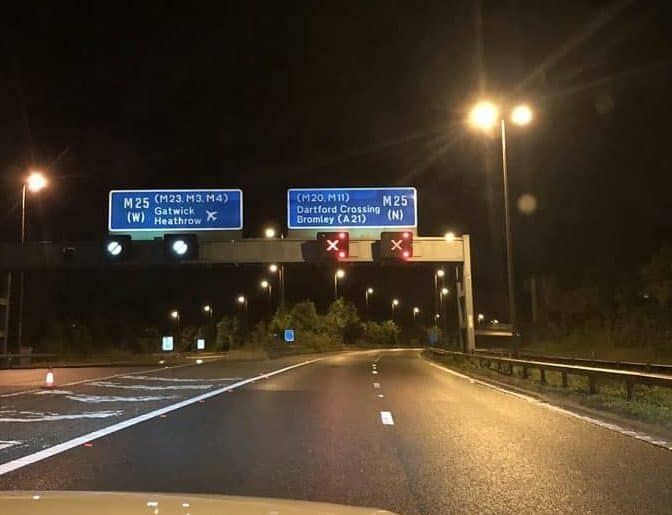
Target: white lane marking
<point x="110" y="384"/>
<point x="179" y="379"/>
<point x="6" y="444"/>
<point x="31" y="416"/>
<point x="80" y="440"/>
<point x="638" y="435"/>
<point x="95" y="399"/>
<point x="53" y="392"/>
<point x="386" y="418"/>
<point x="376" y="385"/>
<point x="374" y="372"/>
<point x="380" y="396"/>
<point x="104" y="378"/>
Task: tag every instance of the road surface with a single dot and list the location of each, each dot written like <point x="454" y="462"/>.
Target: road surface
<point x="376" y="428"/>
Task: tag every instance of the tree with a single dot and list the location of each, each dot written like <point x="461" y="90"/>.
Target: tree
<point x="342" y="321"/>
<point x="228" y="333"/>
<point x="657" y="276"/>
<point x="303" y="317"/>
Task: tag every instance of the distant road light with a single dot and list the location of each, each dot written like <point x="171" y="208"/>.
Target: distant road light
<point x="416" y="310"/>
<point x="340" y="273"/>
<point x="269" y="232"/>
<point x="207" y="308"/>
<point x="445" y="291"/>
<point x="481" y="317"/>
<point x="273" y="268"/>
<point x="264" y="283"/>
<point x="449" y="236"/>
<point x="440" y="272"/>
<point x="521" y="114"/>
<point x="369" y="291"/>
<point x="175" y="314"/>
<point x="484" y="115"/>
<point x="395" y="302"/>
<point x="36" y="181"/>
<point x="241" y="299"/>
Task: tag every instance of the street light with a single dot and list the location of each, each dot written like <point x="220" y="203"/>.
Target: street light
<point x="395" y="304"/>
<point x="175" y="315"/>
<point x="440" y="273"/>
<point x="367" y="292"/>
<point x="241" y="300"/>
<point x="34" y="182"/>
<point x="481" y="317"/>
<point x="449" y="236"/>
<point x="266" y="285"/>
<point x="339" y="274"/>
<point x="280" y="270"/>
<point x="208" y="309"/>
<point x="485" y="115"/>
<point x="416" y="311"/>
<point x="269" y="232"/>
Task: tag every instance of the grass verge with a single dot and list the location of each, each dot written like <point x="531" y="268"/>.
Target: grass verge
<point x="651" y="405"/>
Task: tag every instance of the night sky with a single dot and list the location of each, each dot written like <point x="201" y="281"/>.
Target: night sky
<point x="266" y="96"/>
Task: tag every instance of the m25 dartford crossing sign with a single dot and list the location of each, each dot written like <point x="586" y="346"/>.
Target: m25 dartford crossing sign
<point x="352" y="208"/>
<point x="175" y="210"/>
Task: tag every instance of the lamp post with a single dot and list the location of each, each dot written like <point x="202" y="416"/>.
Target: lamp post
<point x="440" y="273"/>
<point x="280" y="270"/>
<point x="443" y="310"/>
<point x="266" y="285"/>
<point x="416" y="311"/>
<point x="395" y="304"/>
<point x="339" y="274"/>
<point x="35" y="182"/>
<point x="367" y="292"/>
<point x="486" y="115"/>
<point x="207" y="309"/>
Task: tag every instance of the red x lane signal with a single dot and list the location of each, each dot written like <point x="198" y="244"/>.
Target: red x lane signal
<point x="396" y="245"/>
<point x="334" y="245"/>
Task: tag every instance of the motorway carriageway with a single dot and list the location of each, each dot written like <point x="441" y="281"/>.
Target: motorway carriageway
<point x="372" y="428"/>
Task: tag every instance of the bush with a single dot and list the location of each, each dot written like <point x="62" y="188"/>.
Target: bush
<point x="382" y="334"/>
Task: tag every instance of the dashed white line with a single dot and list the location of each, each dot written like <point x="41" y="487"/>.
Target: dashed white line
<point x="124" y="424"/>
<point x="386" y="418"/>
<point x="376" y="385"/>
<point x="591" y="420"/>
<point x="380" y="396"/>
<point x="374" y="372"/>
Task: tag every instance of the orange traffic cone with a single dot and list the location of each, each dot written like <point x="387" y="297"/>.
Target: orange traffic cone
<point x="49" y="379"/>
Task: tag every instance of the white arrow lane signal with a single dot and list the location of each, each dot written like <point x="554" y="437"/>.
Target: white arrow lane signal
<point x="332" y="245"/>
<point x="211" y="216"/>
<point x="396" y="244"/>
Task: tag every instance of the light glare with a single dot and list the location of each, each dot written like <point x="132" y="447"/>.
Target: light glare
<point x="484" y="115"/>
<point x="521" y="114"/>
<point x="36" y="181"/>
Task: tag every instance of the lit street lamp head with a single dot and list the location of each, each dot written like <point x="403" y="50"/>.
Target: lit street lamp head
<point x="369" y="291"/>
<point x="395" y="302"/>
<point x="273" y="268"/>
<point x="445" y="291"/>
<point x="440" y="272"/>
<point x="264" y="284"/>
<point x="340" y="273"/>
<point x="269" y="232"/>
<point x="449" y="236"/>
<point x="241" y="299"/>
<point x="36" y="181"/>
<point x="416" y="310"/>
<point x="175" y="314"/>
<point x="521" y="114"/>
<point x="484" y="115"/>
<point x="207" y="308"/>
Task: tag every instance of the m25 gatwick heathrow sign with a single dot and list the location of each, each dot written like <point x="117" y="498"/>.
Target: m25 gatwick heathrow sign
<point x="175" y="210"/>
<point x="352" y="208"/>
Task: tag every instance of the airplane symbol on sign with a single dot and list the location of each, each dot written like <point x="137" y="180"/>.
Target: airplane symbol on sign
<point x="332" y="245"/>
<point x="396" y="244"/>
<point x="211" y="216"/>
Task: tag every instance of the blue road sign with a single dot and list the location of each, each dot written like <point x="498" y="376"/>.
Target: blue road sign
<point x="167" y="343"/>
<point x="175" y="210"/>
<point x="289" y="335"/>
<point x="352" y="208"/>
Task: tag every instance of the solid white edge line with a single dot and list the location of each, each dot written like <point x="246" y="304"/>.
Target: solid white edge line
<point x="637" y="435"/>
<point x="124" y="424"/>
